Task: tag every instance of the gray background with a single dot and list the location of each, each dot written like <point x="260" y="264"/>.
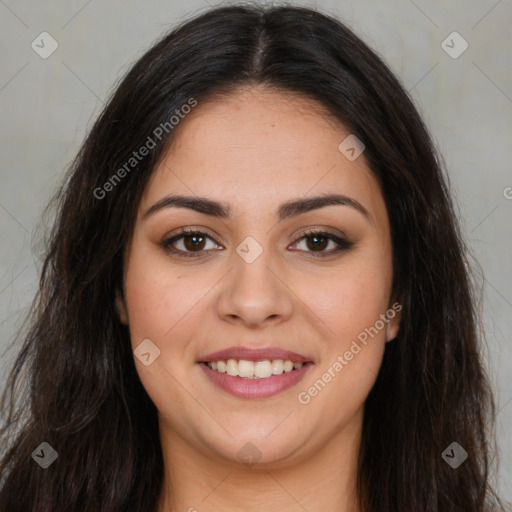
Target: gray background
<point x="48" y="105"/>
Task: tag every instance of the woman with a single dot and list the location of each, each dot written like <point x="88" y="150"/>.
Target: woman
<point x="255" y="293"/>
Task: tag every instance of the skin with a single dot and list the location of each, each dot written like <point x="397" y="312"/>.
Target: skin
<point x="256" y="149"/>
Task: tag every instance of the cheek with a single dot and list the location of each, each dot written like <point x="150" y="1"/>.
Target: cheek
<point x="351" y="298"/>
<point x="161" y="301"/>
<point x="166" y="309"/>
<point x="351" y="307"/>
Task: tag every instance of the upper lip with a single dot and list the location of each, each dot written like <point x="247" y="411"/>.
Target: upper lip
<point x="253" y="354"/>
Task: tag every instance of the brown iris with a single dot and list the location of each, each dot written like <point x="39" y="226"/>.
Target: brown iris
<point x="316" y="245"/>
<point x="192" y="242"/>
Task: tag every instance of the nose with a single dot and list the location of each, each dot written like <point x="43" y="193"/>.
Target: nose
<point x="255" y="293"/>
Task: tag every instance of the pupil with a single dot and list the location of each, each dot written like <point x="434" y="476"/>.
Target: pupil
<point x="316" y="244"/>
<point x="197" y="240"/>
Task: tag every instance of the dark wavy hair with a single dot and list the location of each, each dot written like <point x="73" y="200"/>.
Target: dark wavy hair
<point x="74" y="383"/>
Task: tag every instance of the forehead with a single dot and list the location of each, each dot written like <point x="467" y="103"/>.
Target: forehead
<point x="258" y="147"/>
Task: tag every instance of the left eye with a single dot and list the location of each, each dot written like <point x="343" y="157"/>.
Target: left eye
<point x="193" y="243"/>
<point x="319" y="240"/>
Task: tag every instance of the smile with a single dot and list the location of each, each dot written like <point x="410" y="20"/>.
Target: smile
<point x="254" y="369"/>
<point x="260" y="379"/>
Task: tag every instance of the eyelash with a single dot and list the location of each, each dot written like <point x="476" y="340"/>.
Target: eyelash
<point x="343" y="244"/>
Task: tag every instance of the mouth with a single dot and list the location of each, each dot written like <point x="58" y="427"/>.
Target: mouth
<point x="254" y="369"/>
<point x="254" y="373"/>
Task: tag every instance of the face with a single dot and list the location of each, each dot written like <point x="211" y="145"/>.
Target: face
<point x="259" y="277"/>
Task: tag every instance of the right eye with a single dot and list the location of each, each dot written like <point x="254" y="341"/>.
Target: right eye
<point x="193" y="243"/>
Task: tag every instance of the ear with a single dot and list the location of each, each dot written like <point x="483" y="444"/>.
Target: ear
<point x="395" y="316"/>
<point x="120" y="306"/>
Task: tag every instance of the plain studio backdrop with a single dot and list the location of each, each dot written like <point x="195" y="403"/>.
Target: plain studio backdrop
<point x="454" y="58"/>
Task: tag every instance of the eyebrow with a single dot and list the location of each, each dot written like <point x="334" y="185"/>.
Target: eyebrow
<point x="284" y="211"/>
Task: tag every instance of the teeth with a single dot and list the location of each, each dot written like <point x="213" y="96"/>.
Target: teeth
<point x="232" y="367"/>
<point x="262" y="369"/>
<point x="277" y="366"/>
<point x="254" y="370"/>
<point x="245" y="368"/>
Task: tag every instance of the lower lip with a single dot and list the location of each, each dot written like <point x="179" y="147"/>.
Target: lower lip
<point x="256" y="388"/>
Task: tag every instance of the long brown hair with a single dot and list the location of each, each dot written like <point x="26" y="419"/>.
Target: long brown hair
<point x="74" y="384"/>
